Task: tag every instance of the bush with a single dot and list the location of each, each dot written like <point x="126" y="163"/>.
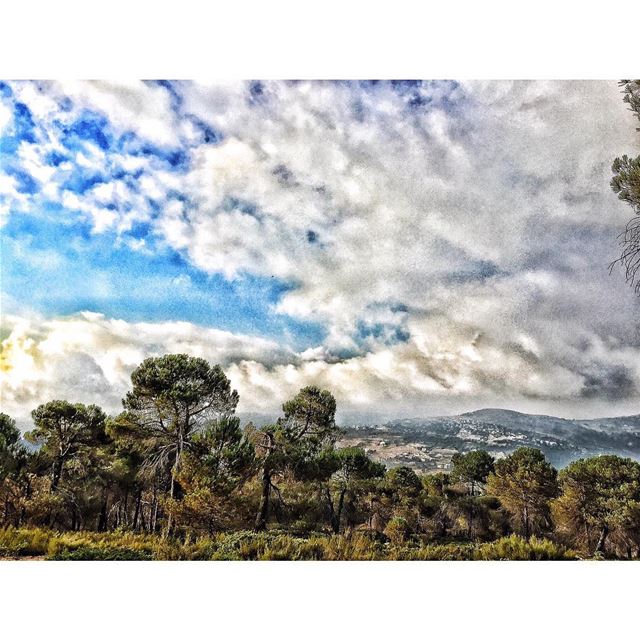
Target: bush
<point x="517" y="548"/>
<point x="452" y="551"/>
<point x="397" y="530"/>
<point x="268" y="545"/>
<point x="98" y="553"/>
<point x="23" y="542"/>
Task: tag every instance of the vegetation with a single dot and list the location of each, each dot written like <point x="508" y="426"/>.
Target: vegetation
<point x="626" y="183"/>
<point x="176" y="476"/>
<point x="250" y="545"/>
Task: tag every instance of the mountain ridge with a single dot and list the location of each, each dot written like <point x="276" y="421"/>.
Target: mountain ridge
<point x="413" y="441"/>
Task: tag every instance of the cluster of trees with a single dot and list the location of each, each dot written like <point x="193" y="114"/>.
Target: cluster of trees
<point x="178" y="462"/>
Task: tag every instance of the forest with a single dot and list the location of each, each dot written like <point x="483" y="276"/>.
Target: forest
<point x="177" y="476"/>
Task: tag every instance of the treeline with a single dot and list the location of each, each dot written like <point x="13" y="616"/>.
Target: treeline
<point x="177" y="463"/>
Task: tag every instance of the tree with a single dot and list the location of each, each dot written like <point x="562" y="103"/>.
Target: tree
<point x="436" y="484"/>
<point x="626" y="183"/>
<point x="219" y="462"/>
<point x="525" y="482"/>
<point x="62" y="431"/>
<point x="403" y="482"/>
<point x="10" y="445"/>
<point x="600" y="500"/>
<point x="399" y="495"/>
<point x="294" y="442"/>
<point x="173" y="398"/>
<point x="472" y="468"/>
<point x="221" y="457"/>
<point x="352" y="467"/>
<point x="14" y="459"/>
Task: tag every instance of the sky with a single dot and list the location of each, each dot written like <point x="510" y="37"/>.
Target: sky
<point x="417" y="248"/>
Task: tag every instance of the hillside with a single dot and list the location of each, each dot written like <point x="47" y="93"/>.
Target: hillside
<point x="427" y="444"/>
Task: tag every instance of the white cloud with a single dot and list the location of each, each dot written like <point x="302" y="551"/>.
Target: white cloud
<point x="480" y="227"/>
<point x="129" y="105"/>
<point x="89" y="358"/>
<point x="444" y="367"/>
<point x="400" y="200"/>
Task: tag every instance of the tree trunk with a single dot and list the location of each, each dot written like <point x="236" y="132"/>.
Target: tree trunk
<point x="263" y="509"/>
<point x="330" y="509"/>
<point x="55" y="475"/>
<point x="602" y="539"/>
<point x="125" y="515"/>
<point x="136" y="513"/>
<point x="102" y="522"/>
<point x="175" y="491"/>
<point x="143" y="523"/>
<point x="153" y="513"/>
<point x="525" y="521"/>
<point x="335" y="515"/>
<point x="587" y="534"/>
<point x="338" y="515"/>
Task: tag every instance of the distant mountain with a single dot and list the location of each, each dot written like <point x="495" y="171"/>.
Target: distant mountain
<point x="429" y="443"/>
<point x="257" y="419"/>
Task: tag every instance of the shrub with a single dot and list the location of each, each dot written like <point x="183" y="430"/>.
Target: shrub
<point x="101" y="553"/>
<point x="267" y="545"/>
<point x="23" y="542"/>
<point x="397" y="530"/>
<point x="517" y="548"/>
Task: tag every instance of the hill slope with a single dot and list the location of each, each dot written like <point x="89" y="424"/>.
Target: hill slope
<point x="429" y="443"/>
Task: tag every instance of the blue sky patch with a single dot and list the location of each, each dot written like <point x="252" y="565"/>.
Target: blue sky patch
<point x="89" y="127"/>
<point x="66" y="269"/>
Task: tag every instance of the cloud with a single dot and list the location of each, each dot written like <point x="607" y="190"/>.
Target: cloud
<point x="426" y="192"/>
<point x="142" y="107"/>
<point x="441" y="368"/>
<point x="89" y="358"/>
<point x="452" y="239"/>
<point x="105" y="151"/>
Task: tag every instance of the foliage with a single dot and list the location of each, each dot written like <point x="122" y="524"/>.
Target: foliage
<point x="472" y="468"/>
<point x="517" y="548"/>
<point x="397" y="530"/>
<point x="64" y="432"/>
<point x="525" y="482"/>
<point x="10" y="446"/>
<point x="249" y="545"/>
<point x="403" y="481"/>
<point x="600" y="504"/>
<point x="626" y="184"/>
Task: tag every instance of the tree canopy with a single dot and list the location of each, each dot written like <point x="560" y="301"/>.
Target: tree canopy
<point x="525" y="483"/>
<point x="173" y="398"/>
<point x="472" y="468"/>
<point x="626" y="184"/>
<point x="600" y="500"/>
<point x="63" y="431"/>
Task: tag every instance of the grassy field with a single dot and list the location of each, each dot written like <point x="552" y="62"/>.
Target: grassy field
<point x="46" y="544"/>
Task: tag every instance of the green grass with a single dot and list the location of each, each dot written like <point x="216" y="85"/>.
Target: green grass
<point x="247" y="545"/>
